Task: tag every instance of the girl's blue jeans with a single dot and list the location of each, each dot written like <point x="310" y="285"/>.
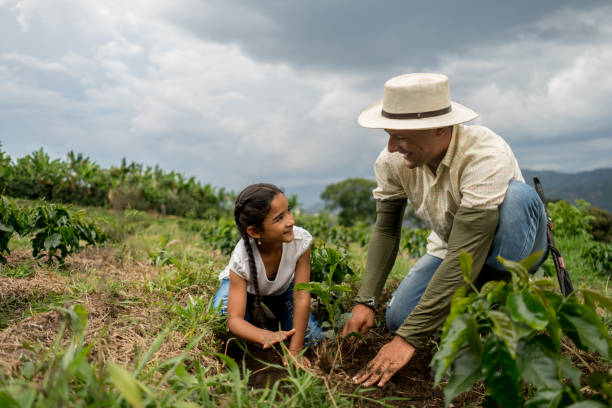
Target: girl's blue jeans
<point x="521" y="231"/>
<point x="280" y="305"/>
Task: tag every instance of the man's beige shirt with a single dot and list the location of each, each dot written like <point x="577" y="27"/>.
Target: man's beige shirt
<point x="474" y="173"/>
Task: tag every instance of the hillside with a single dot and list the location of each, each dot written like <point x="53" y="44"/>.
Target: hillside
<point x="593" y="186"/>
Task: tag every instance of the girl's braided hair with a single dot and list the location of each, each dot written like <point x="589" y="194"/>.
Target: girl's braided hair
<point x="251" y="207"/>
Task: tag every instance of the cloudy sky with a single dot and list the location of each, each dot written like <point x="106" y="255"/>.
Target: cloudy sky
<point x="235" y="92"/>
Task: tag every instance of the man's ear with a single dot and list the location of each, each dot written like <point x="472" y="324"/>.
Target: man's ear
<point x="253" y="232"/>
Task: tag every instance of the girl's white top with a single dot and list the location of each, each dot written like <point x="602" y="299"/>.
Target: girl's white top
<point x="239" y="263"/>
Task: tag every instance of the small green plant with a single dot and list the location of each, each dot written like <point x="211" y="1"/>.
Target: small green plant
<point x="414" y="240"/>
<point x="329" y="267"/>
<point x="599" y="256"/>
<point x="509" y="336"/>
<point x="58" y="231"/>
<point x="326" y="260"/>
<point x="12" y="220"/>
<point x="222" y="234"/>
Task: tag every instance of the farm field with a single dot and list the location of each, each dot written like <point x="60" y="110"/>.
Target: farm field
<point x="129" y="323"/>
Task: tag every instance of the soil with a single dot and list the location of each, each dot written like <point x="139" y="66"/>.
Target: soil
<point x="412" y="386"/>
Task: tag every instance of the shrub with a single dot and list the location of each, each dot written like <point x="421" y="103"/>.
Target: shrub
<point x="509" y="336"/>
<point x="570" y="220"/>
<point x="58" y="231"/>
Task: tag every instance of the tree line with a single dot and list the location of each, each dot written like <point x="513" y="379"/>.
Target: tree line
<point x="79" y="180"/>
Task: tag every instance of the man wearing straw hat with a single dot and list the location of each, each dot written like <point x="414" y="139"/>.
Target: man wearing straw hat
<point x="465" y="183"/>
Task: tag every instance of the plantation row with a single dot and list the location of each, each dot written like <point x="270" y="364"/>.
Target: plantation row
<point x="81" y="181"/>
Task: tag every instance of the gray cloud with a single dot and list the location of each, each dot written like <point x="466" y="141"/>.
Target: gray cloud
<point x="234" y="93"/>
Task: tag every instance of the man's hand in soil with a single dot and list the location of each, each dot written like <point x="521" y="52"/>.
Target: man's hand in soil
<point x="389" y="360"/>
<point x="273" y="337"/>
<point x="361" y="321"/>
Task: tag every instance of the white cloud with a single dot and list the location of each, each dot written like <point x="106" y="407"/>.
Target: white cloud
<point x="540" y="85"/>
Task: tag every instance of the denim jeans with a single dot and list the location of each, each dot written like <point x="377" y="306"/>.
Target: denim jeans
<point x="521" y="231"/>
<point x="280" y="305"/>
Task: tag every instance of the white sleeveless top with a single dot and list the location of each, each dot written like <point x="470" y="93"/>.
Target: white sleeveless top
<point x="239" y="263"/>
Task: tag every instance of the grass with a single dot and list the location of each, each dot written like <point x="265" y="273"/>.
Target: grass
<point x="131" y="324"/>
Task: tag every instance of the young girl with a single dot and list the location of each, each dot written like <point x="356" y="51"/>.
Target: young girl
<point x="272" y="256"/>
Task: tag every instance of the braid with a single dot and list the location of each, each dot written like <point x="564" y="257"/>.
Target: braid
<point x="251" y="207"/>
<point x="257" y="311"/>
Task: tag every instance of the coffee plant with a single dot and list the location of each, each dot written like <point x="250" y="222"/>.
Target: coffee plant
<point x="509" y="335"/>
<point x="328" y="263"/>
<point x="222" y="234"/>
<point x="12" y="220"/>
<point x="58" y="231"/>
<point x="414" y="240"/>
<point x="599" y="256"/>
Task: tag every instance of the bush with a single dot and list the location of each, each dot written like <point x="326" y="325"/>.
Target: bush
<point x="508" y="335"/>
<point x="601" y="224"/>
<point x="570" y="220"/>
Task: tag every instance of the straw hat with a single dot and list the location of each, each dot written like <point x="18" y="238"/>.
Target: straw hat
<point x="415" y="101"/>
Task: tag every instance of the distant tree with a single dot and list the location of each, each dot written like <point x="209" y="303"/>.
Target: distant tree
<point x="353" y="198"/>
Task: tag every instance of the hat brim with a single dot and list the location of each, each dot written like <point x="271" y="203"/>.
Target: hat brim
<point x="372" y="118"/>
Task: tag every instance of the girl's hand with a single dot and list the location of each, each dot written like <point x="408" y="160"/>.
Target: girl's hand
<point x="301" y="361"/>
<point x="273" y="337"/>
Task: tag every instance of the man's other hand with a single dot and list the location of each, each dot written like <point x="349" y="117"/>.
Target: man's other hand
<point x="361" y="321"/>
<point x="389" y="360"/>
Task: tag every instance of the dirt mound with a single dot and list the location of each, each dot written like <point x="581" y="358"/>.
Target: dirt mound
<point x="414" y="383"/>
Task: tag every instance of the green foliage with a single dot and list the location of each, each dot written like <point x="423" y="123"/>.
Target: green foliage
<point x="414" y="241"/>
<point x="601" y="224"/>
<point x="328" y="263"/>
<point x="599" y="256"/>
<point x="12" y="220"/>
<point x="324" y="227"/>
<point x="353" y="198"/>
<point x="58" y="231"/>
<point x="509" y="336"/>
<point x="221" y="234"/>
<point x="81" y="181"/>
<point x="570" y="220"/>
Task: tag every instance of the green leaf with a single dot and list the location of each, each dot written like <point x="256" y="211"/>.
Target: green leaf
<point x="537" y="367"/>
<point x="473" y="338"/>
<point x="545" y="399"/>
<point x="466" y="261"/>
<point x="126" y="384"/>
<point x="504" y="329"/>
<point x="501" y="374"/>
<point x="7" y="401"/>
<point x="569" y="371"/>
<point x="531" y="260"/>
<point x="515" y="268"/>
<point x="449" y="345"/>
<point x="27" y="370"/>
<point x="465" y="372"/>
<point x="597" y="297"/>
<point x="584" y="327"/>
<point x="588" y="404"/>
<point x="526" y="308"/>
<point x="52" y="241"/>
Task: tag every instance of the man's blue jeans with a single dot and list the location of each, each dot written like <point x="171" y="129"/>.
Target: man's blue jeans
<point x="521" y="231"/>
<point x="282" y="308"/>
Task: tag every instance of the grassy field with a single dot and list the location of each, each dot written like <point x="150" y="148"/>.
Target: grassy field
<point x="129" y="323"/>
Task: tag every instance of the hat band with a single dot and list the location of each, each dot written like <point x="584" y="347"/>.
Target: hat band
<point x="418" y="115"/>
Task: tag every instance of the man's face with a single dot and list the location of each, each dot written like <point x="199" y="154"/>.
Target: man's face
<point x="420" y="147"/>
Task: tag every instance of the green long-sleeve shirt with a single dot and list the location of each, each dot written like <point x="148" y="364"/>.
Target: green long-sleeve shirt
<point x="472" y="231"/>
